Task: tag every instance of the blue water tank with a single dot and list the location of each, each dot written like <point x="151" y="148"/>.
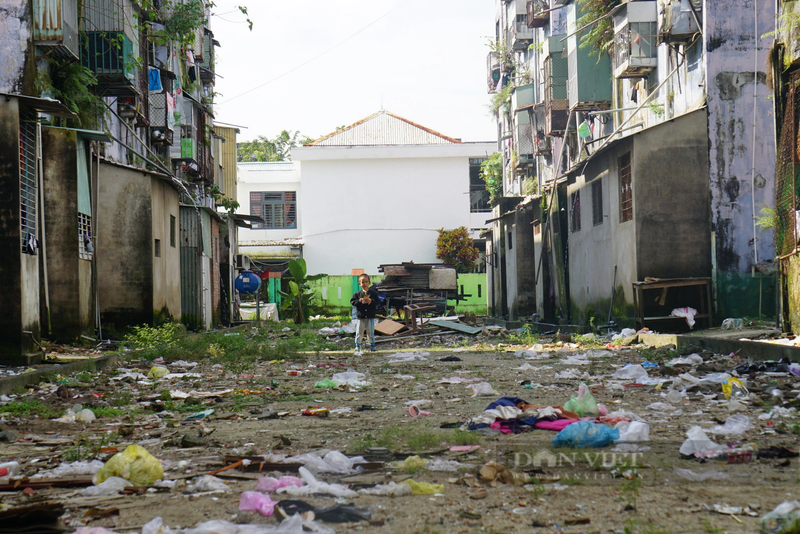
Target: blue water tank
<point x="247" y="282"/>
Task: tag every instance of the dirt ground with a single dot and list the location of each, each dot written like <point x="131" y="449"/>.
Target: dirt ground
<point x="569" y="490"/>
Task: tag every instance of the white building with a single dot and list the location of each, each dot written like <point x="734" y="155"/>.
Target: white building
<point x="270" y="190"/>
<point x="372" y="193"/>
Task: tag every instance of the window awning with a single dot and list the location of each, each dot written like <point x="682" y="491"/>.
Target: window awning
<point x="245" y="220"/>
<point x="45" y="105"/>
<point x="91" y="135"/>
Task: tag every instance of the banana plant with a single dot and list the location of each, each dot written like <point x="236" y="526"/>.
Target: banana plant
<point x="299" y="298"/>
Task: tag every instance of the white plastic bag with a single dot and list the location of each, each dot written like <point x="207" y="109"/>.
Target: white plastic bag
<point x="632" y="432"/>
<point x="482" y="389"/>
<point x="633" y="371"/>
<point x="206" y="483"/>
<point x="111" y="486"/>
<point x="735" y="424"/>
<point x="697" y="442"/>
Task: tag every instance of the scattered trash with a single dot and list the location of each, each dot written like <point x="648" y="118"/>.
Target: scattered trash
<point x="698" y="444"/>
<point x="424" y="488"/>
<point x="584" y="404"/>
<point x="732" y="324"/>
<point x="110" y="486"/>
<point x="411" y="463"/>
<point x="482" y="389"/>
<point x="326" y="384"/>
<point x="134" y="464"/>
<point x="632" y="432"/>
<point x="206" y="483"/>
<point x="338" y="513"/>
<point x="414" y="411"/>
<point x="256" y="501"/>
<point x="733" y="388"/>
<point x="157" y="372"/>
<point x="711" y="474"/>
<point x="631" y="372"/>
<point x="784" y="519"/>
<point x="687" y="313"/>
<point x="585" y="434"/>
<point x="492" y="473"/>
<point x="314" y="486"/>
<point x="735" y="424"/>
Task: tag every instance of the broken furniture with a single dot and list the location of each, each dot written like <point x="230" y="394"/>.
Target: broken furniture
<point x="412" y="312"/>
<point x="412" y="283"/>
<point x="654" y="299"/>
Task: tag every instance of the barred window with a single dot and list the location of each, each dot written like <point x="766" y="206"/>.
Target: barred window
<point x="625" y="191"/>
<point x="85" y="247"/>
<point x="575" y="211"/>
<point x="27" y="180"/>
<point x="277" y="208"/>
<point x="478" y="195"/>
<point x="597" y="202"/>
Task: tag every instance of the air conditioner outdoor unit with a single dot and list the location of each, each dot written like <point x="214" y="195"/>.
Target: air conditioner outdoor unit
<point x="242" y="262"/>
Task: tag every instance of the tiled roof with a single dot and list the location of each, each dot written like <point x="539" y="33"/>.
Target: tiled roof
<point x="383" y="128"/>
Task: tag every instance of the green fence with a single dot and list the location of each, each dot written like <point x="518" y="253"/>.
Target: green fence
<point x="333" y="293"/>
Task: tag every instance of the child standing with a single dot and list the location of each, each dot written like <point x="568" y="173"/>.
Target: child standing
<point x="366" y="304"/>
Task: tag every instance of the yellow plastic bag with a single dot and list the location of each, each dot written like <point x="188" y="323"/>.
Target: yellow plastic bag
<point x="134" y="464"/>
<point x="411" y="463"/>
<point x="424" y="488"/>
<point x="157" y="372"/>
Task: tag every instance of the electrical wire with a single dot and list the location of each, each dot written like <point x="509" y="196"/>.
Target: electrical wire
<point x="340" y="43"/>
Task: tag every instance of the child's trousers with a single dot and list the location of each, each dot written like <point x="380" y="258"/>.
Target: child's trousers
<point x="364" y="327"/>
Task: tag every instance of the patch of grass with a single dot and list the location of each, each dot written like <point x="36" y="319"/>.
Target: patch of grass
<point x="123" y="398"/>
<point x="304" y="398"/>
<point x="87" y="448"/>
<point x="27" y="408"/>
<point x="105" y="411"/>
<point x="524" y="336"/>
<point x="420" y="441"/>
<point x="361" y="444"/>
<point x="465" y="437"/>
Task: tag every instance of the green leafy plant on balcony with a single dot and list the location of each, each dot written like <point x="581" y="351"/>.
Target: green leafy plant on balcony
<point x="492" y="174"/>
<point x="72" y="84"/>
<point x="599" y="36"/>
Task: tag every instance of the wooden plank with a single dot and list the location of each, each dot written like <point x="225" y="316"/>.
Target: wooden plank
<point x="459" y="327"/>
<point x="387" y="327"/>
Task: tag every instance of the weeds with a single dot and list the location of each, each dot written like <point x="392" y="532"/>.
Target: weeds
<point x="524" y="336"/>
<point x="465" y="437"/>
<point x="104" y="411"/>
<point x="88" y="448"/>
<point x="27" y="408"/>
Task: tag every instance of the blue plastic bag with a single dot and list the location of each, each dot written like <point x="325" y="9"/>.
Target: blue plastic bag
<point x="585" y="434"/>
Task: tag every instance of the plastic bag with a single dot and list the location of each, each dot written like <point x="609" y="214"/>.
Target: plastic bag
<point x="314" y="486"/>
<point x="272" y="484"/>
<point x="732" y="324"/>
<point x="633" y="371"/>
<point x="733" y="388"/>
<point x="134" y="464"/>
<point x="697" y="443"/>
<point x="410" y="463"/>
<point x="735" y="424"/>
<point x="584" y="404"/>
<point x="784" y="519"/>
<point x="255" y="501"/>
<point x="482" y="389"/>
<point x="424" y="488"/>
<point x="585" y="434"/>
<point x="632" y="432"/>
<point x="206" y="483"/>
<point x="110" y="486"/>
<point x="350" y="378"/>
<point x="711" y="474"/>
<point x="327" y="383"/>
<point x="157" y="372"/>
<point x="391" y="489"/>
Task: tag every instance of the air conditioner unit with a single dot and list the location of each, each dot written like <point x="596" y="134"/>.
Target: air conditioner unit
<point x="242" y="262"/>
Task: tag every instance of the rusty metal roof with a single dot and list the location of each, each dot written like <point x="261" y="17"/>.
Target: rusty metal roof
<point x="383" y="128"/>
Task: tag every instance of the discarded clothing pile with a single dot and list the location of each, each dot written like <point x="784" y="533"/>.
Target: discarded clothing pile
<point x="512" y="415"/>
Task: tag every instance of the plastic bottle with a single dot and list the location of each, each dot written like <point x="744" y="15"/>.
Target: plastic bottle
<point x="10" y="469"/>
<point x="734" y="389"/>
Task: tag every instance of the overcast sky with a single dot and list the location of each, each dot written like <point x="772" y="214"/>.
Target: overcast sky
<point x="424" y="60"/>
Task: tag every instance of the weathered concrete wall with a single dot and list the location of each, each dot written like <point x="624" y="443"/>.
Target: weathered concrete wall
<point x="791" y="272"/>
<point x="741" y="145"/>
<point x="14" y="44"/>
<point x="671" y="208"/>
<point x="595" y="251"/>
<point x="215" y="273"/>
<point x="509" y="225"/>
<point x="525" y="304"/>
<point x="19" y="273"/>
<point x="124" y="248"/>
<point x="166" y="282"/>
<point x="69" y="277"/>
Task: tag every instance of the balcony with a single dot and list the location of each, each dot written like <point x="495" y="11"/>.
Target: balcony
<point x="162" y="106"/>
<point x="492" y="72"/>
<point x="678" y="21"/>
<point x="521" y="34"/>
<point x="55" y="26"/>
<point x="207" y="64"/>
<point x="110" y="56"/>
<point x="635" y="50"/>
<point x="556" y="105"/>
<point x="538" y="13"/>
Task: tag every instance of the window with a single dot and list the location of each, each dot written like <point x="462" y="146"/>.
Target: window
<point x="157" y="248"/>
<point x="575" y="211"/>
<point x="625" y="191"/>
<point x="479" y="291"/>
<point x="85" y="248"/>
<point x="597" y="202"/>
<point x="172" y="231"/>
<point x="278" y="209"/>
<point x="510" y="242"/>
<point x="478" y="195"/>
<point x="27" y="181"/>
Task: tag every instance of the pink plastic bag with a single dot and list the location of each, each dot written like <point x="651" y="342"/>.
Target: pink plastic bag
<point x="272" y="484"/>
<point x="257" y="502"/>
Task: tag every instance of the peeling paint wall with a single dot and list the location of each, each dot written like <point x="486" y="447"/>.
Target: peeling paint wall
<point x="741" y="173"/>
<point x="15" y="33"/>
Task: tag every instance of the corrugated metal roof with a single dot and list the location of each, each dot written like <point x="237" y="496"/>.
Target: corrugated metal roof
<point x="383" y="128"/>
<point x="265" y="165"/>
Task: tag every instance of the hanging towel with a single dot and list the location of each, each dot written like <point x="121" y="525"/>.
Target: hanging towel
<point x="154" y="76"/>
